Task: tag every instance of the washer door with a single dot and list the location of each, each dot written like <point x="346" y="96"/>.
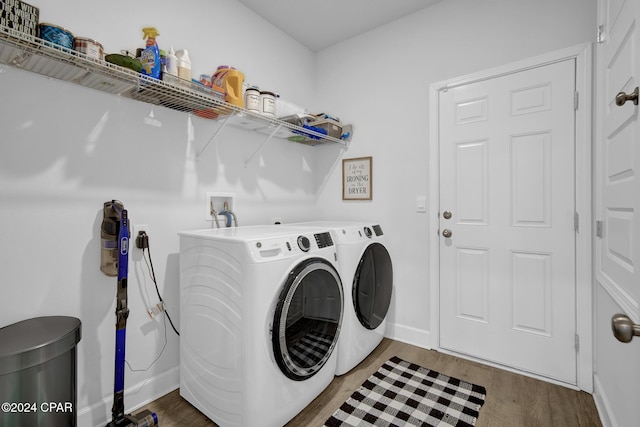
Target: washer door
<point x="307" y="318"/>
<point x="372" y="286"/>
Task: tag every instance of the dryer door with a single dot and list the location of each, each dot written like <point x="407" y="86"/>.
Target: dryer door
<point x="307" y="318"/>
<point x="372" y="286"/>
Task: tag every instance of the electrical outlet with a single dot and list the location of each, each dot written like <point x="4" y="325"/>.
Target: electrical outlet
<point x="138" y="228"/>
<point x="155" y="310"/>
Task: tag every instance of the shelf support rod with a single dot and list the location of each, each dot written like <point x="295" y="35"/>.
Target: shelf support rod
<point x="215" y="134"/>
<point x="246" y="162"/>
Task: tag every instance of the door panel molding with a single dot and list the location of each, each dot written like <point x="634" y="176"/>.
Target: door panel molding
<point x="582" y="54"/>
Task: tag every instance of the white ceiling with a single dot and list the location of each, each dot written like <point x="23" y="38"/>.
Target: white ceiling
<point x="320" y="24"/>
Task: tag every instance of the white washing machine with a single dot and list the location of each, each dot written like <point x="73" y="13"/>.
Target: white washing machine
<point x="260" y="314"/>
<point x="366" y="270"/>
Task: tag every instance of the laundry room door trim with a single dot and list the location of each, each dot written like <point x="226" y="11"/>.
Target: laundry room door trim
<point x="582" y="54"/>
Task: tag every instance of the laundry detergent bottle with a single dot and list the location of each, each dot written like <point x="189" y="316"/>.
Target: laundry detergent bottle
<point x="150" y="58"/>
<point x="231" y="80"/>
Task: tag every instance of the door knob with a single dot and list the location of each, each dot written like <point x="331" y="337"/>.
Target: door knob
<point x="622" y="98"/>
<point x="623" y="328"/>
<point x="446" y="233"/>
<point x="446" y="214"/>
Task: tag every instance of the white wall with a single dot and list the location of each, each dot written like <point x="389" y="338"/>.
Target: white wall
<point x="382" y="79"/>
<point x="65" y="150"/>
<point x="64" y="154"/>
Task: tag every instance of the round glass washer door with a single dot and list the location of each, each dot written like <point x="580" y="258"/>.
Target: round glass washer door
<point x="307" y="318"/>
<point x="372" y="286"/>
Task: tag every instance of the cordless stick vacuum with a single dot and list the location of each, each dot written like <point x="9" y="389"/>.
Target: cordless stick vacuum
<point x="115" y="261"/>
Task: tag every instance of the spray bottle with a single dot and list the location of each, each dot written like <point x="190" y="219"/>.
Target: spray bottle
<point x="150" y="58"/>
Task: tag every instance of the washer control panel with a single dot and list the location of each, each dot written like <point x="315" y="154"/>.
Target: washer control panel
<point x="282" y="247"/>
<point x="323" y="240"/>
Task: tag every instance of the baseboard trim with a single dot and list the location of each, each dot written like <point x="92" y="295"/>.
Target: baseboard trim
<point x="136" y="396"/>
<point x="409" y="335"/>
<point x="602" y="404"/>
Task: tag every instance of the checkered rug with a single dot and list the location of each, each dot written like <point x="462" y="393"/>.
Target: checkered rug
<point x="402" y="393"/>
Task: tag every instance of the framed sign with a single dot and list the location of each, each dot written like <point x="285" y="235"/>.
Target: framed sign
<point x="356" y="178"/>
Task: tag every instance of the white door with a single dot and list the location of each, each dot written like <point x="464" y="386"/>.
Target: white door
<point x="618" y="148"/>
<point x="507" y="198"/>
<point x="617" y="243"/>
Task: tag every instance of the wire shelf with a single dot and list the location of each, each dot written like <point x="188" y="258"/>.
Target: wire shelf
<point x="33" y="54"/>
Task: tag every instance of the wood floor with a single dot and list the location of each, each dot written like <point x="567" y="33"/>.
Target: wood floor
<point x="512" y="400"/>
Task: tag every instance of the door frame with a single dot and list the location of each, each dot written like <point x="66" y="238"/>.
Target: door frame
<point x="582" y="54"/>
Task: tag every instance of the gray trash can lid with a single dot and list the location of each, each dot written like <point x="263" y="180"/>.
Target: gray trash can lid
<point x="34" y="341"/>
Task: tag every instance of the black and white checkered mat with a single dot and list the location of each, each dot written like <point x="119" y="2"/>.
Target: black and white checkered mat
<point x="401" y="393"/>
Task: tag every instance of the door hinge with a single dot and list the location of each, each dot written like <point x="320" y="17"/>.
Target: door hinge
<point x="576" y="98"/>
<point x="577" y="343"/>
<point x="600" y="34"/>
<point x="599" y="229"/>
<point x="576" y="221"/>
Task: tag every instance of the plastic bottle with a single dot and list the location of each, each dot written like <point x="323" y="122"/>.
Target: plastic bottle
<point x="230" y="80"/>
<point x="184" y="66"/>
<point x="172" y="62"/>
<point x="150" y="57"/>
<point x="163" y="62"/>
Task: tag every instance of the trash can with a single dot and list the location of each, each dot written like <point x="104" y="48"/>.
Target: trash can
<point x="38" y="372"/>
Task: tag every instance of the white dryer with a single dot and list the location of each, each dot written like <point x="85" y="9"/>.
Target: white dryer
<point x="367" y="276"/>
<point x="260" y="314"/>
